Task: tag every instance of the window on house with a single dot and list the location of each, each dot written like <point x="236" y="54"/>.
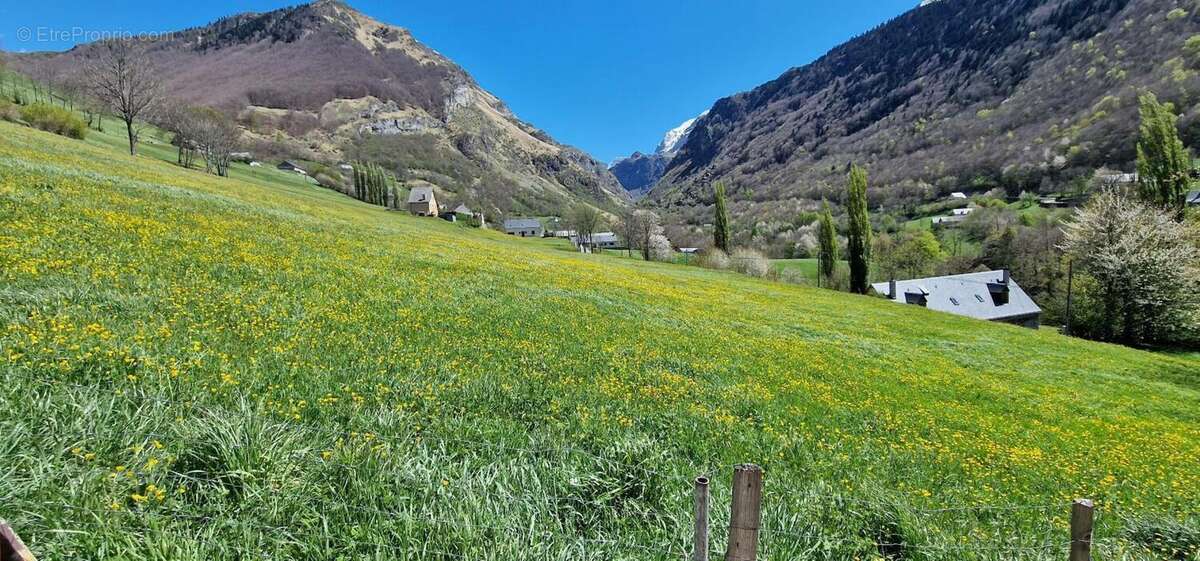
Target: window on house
<point x="978" y="297"/>
<point x="954" y="301"/>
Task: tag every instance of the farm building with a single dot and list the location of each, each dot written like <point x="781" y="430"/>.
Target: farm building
<point x="524" y="227"/>
<point x="948" y="220"/>
<point x="460" y="211"/>
<point x="289" y="165"/>
<point x="599" y="240"/>
<point x="990" y="295"/>
<point x="422" y="201"/>
<point x="1113" y="179"/>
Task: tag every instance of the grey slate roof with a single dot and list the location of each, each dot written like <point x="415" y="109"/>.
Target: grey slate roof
<point x="965" y="295"/>
<point x="522" y="224"/>
<point x="1192" y="198"/>
<point x="420" y="195"/>
<point x="605" y="238"/>
<point x="462" y="209"/>
<point x="600" y="239"/>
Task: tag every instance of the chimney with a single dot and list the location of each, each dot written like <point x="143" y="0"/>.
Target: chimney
<point x="892" y="289"/>
<point x="1006" y="277"/>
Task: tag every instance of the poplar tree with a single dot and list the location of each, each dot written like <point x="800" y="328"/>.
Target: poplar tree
<point x="721" y="221"/>
<point x="859" y="235"/>
<point x="827" y="239"/>
<point x="358" y="180"/>
<point x="1163" y="163"/>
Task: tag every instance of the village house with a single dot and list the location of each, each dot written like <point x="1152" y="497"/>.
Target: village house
<point x="958" y="195"/>
<point x="524" y="227"/>
<point x="1192" y="198"/>
<point x="990" y="295"/>
<point x="422" y="202"/>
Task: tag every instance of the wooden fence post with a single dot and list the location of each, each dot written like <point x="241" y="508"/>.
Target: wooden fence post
<point x="11" y="546"/>
<point x="700" y="533"/>
<point x="1082" y="512"/>
<point x="745" y="514"/>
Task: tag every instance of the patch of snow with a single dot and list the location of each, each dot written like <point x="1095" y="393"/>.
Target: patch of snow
<point x="676" y="137"/>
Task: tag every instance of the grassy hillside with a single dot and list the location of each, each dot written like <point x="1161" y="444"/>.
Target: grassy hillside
<point x="197" y="368"/>
<point x="805" y="267"/>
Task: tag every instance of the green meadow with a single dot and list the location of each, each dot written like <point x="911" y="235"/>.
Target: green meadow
<point x="197" y="368"/>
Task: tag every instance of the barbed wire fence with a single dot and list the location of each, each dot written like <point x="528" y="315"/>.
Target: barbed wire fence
<point x="750" y="530"/>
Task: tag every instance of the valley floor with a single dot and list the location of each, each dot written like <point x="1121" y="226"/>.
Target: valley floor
<point x="202" y="368"/>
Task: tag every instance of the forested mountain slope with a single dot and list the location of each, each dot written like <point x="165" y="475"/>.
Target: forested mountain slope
<point x="954" y="95"/>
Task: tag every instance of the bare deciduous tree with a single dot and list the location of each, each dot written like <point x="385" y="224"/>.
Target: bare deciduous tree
<point x="585" y="220"/>
<point x="199" y="130"/>
<point x="179" y="120"/>
<point x="217" y="137"/>
<point x="123" y="78"/>
<point x="642" y="227"/>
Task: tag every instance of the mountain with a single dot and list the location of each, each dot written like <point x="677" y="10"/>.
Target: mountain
<point x="639" y="172"/>
<point x="675" y="137"/>
<point x="953" y="95"/>
<point x="337" y="84"/>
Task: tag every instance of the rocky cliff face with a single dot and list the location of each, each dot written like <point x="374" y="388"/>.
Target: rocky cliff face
<point x="954" y="95"/>
<point x="639" y="172"/>
<point x="331" y="79"/>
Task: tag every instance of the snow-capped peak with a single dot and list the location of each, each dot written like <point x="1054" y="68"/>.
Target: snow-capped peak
<point x="675" y="137"/>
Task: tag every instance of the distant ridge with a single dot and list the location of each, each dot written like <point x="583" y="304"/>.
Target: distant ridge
<point x="1023" y="95"/>
<point x="331" y="79"/>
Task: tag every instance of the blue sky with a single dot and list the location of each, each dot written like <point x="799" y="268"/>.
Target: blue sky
<point x="609" y="77"/>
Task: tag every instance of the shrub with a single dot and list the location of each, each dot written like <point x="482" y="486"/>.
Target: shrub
<point x="54" y="119"/>
<point x="8" y="111"/>
<point x="793" y="276"/>
<point x="713" y="258"/>
<point x="750" y="262"/>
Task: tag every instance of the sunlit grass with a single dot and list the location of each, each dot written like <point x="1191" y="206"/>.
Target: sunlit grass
<point x="199" y="368"/>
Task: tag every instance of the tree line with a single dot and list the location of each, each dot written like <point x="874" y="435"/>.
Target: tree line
<point x="118" y="78"/>
<point x="1124" y="268"/>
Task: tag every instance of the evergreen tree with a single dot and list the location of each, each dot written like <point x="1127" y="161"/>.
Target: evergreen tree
<point x="859" y="235"/>
<point x="358" y="180"/>
<point x="721" y="221"/>
<point x="373" y="185"/>
<point x="827" y="239"/>
<point x="1163" y="163"/>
